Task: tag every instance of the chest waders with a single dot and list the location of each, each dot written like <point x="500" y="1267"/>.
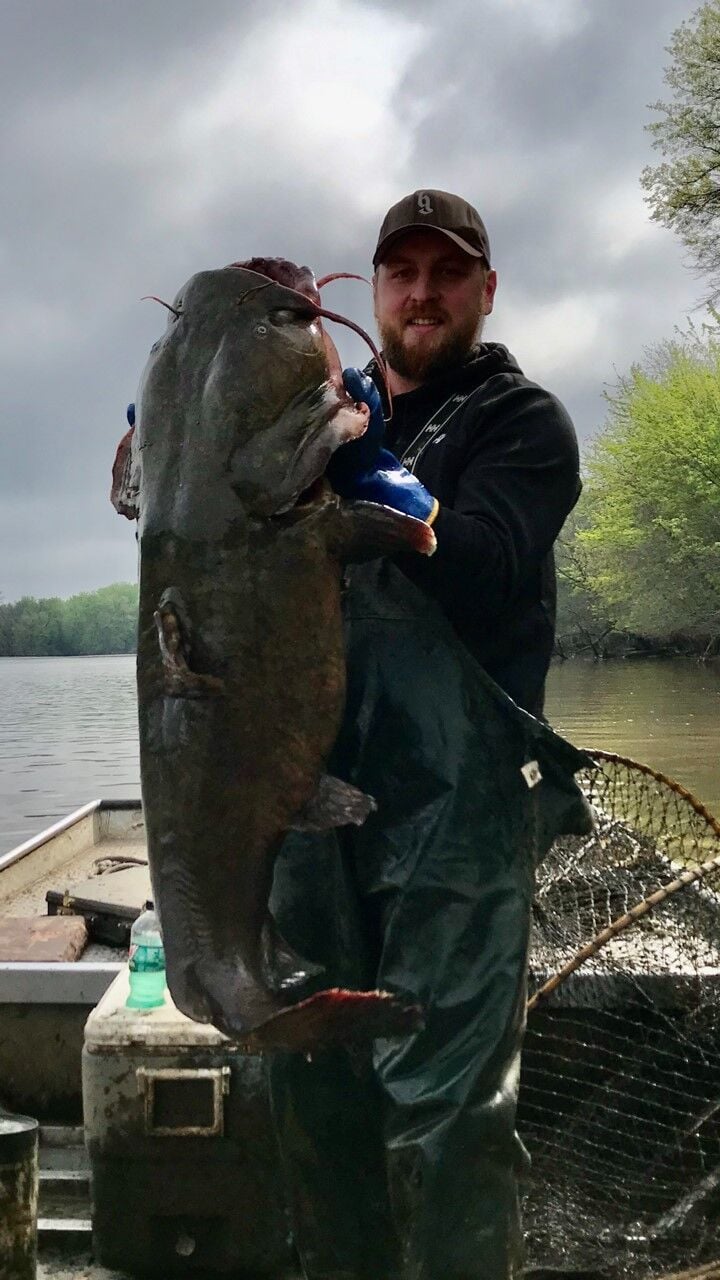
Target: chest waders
<point x="408" y="1165"/>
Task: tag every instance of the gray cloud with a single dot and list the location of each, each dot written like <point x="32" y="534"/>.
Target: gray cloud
<point x="143" y="141"/>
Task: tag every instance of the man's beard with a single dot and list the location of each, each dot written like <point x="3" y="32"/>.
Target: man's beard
<point x="420" y="366"/>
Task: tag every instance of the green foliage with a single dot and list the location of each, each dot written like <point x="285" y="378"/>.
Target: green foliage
<point x="583" y="616"/>
<point x="31" y="627"/>
<point x="683" y="192"/>
<point x="652" y="540"/>
<point x="103" y="621"/>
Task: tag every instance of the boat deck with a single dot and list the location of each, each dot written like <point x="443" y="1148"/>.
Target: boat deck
<point x="74" y="854"/>
<point x="69" y="856"/>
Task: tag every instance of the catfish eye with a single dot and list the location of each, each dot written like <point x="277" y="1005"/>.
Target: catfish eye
<point x="261" y="330"/>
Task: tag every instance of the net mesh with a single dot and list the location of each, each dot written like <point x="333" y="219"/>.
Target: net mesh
<point x="620" y="1096"/>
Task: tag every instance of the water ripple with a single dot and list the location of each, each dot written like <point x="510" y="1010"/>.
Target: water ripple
<point x="665" y="713"/>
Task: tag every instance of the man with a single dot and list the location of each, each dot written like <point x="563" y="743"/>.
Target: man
<point x="497" y="452"/>
<point x="409" y="1167"/>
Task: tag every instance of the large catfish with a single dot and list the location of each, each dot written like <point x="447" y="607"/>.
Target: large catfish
<point x="241" y="671"/>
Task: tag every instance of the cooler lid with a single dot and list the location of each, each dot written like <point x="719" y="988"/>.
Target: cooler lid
<point x="111" y="1025"/>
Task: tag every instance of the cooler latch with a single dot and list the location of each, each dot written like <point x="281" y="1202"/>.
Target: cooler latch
<point x="184" y="1103"/>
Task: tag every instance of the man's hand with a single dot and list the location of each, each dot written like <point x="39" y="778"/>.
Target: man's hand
<point x="358" y="456"/>
<point x="391" y="485"/>
<point x="362" y="470"/>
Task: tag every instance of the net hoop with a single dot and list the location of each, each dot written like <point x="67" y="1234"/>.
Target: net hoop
<point x="645" y="905"/>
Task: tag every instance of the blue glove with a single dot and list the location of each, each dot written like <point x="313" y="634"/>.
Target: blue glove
<point x="130" y="414"/>
<point x="390" y="484"/>
<point x="364" y="471"/>
<point x="358" y="456"/>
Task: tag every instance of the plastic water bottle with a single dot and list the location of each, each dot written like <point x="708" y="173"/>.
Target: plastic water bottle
<point x="146" y="962"/>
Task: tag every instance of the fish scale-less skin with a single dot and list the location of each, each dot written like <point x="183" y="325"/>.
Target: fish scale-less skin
<point x="253" y="755"/>
<point x="241" y="670"/>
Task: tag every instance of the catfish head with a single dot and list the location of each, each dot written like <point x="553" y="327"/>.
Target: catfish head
<point x="241" y="403"/>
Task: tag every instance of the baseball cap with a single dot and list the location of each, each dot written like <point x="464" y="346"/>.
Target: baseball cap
<point x="440" y="211"/>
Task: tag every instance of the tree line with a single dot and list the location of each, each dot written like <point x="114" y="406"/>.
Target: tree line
<point x="639" y="560"/>
<point x="103" y="621"/>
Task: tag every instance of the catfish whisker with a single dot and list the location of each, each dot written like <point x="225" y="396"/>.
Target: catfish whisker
<point x="341" y="275"/>
<point x="151" y="297"/>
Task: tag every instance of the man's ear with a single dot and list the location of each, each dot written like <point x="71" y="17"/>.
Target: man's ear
<point x="489" y="292"/>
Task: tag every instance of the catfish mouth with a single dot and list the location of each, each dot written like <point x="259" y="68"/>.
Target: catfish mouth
<point x="342" y="422"/>
<point x="314" y="495"/>
<point x="317" y="494"/>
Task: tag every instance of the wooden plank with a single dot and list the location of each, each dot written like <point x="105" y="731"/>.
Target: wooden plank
<point x="42" y="938"/>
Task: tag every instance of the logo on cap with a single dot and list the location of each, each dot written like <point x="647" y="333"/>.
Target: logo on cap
<point x="424" y="205"/>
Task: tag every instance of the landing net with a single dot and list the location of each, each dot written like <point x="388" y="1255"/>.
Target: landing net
<point x="620" y="1095"/>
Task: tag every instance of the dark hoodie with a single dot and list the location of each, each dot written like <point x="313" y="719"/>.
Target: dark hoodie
<point x="505" y="471"/>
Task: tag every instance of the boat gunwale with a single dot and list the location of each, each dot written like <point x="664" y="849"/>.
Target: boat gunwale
<point x="44" y="837"/>
<point x="64" y="824"/>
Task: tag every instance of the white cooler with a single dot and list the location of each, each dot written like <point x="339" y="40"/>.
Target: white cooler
<point x="185" y="1171"/>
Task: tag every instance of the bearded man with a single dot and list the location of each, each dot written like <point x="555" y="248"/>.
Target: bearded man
<point x="408" y="1167"/>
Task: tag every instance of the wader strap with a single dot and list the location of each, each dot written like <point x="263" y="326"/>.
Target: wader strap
<point x="434" y="428"/>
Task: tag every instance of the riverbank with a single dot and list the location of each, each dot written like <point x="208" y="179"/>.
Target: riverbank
<point x="609" y="644"/>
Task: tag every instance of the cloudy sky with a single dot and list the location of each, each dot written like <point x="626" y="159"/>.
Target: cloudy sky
<point x="142" y="140"/>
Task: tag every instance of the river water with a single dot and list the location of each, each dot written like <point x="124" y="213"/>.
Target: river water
<point x="68" y="734"/>
<point x="68" y="729"/>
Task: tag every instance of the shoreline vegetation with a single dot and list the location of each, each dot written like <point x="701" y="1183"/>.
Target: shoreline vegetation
<point x="94" y="622"/>
<point x="639" y="558"/>
<point x="616" y="645"/>
<point x="105" y="622"/>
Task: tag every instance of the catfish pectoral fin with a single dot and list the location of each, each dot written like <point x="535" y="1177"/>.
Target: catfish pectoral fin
<point x="335" y="804"/>
<point x="180" y="681"/>
<point x="364" y="530"/>
<point x="336" y="1017"/>
<point x="125" y="486"/>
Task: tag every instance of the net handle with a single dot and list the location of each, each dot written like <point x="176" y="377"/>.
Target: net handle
<point x="647" y="904"/>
